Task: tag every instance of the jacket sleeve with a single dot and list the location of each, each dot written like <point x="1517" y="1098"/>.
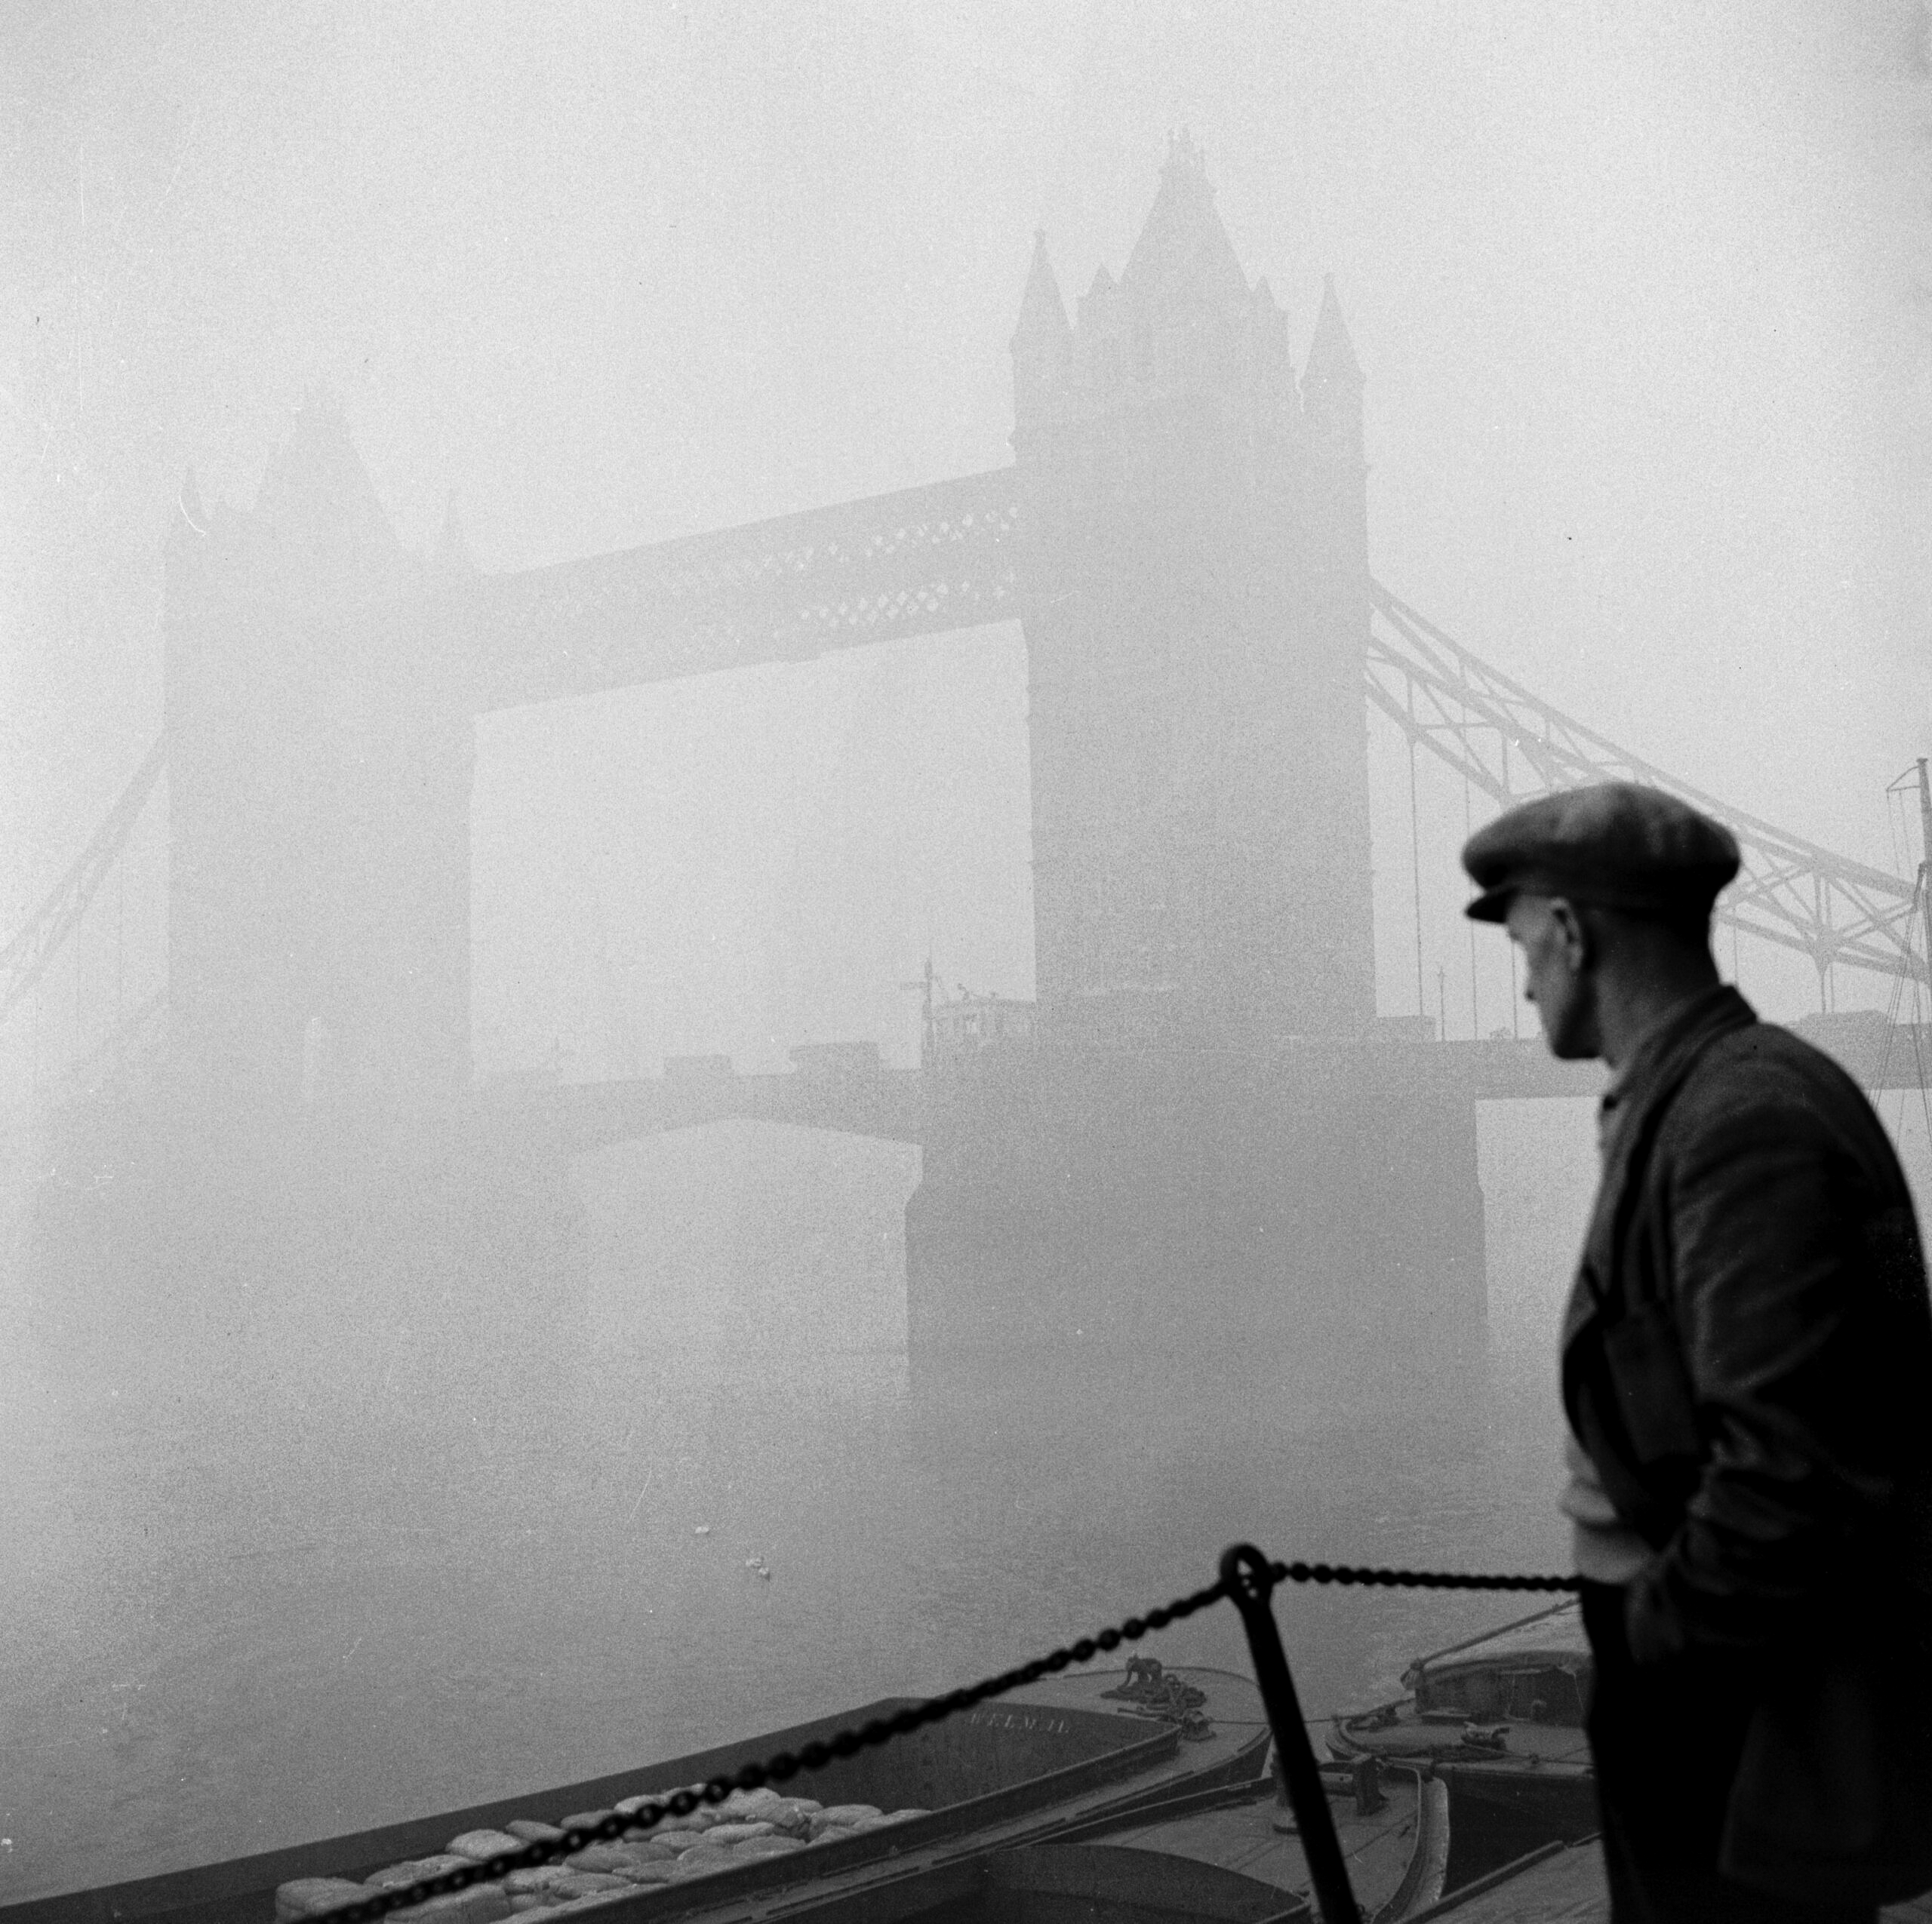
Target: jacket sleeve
<point x="1764" y="1207"/>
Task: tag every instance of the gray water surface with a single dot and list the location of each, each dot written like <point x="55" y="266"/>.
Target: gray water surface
<point x="232" y="1628"/>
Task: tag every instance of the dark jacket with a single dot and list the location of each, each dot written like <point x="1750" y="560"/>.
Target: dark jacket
<point x="1748" y="1359"/>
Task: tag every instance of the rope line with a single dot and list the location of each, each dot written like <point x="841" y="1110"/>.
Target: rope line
<point x="787" y="1764"/>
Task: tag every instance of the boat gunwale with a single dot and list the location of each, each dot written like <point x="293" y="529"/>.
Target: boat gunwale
<point x="1462" y="1757"/>
<point x="1428" y="1856"/>
<point x="231" y="1890"/>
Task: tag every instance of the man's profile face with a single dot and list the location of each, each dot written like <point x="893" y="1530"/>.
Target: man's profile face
<point x="1547" y="930"/>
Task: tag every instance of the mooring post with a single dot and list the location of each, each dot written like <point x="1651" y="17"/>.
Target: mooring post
<point x="1250" y="1583"/>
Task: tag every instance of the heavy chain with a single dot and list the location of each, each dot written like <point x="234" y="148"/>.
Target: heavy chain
<point x="787" y="1764"/>
<point x="1356" y="1573"/>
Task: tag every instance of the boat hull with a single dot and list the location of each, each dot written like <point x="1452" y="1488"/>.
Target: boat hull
<point x="997" y="1774"/>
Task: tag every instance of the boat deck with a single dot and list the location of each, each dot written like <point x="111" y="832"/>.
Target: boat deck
<point x="1238" y="1719"/>
<point x="1497" y="1718"/>
<point x="1231" y="1755"/>
<point x="1519" y="1746"/>
<point x="1565" y="1884"/>
<point x="1403" y="1844"/>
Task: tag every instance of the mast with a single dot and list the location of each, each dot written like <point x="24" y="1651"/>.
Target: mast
<point x="1924" y="819"/>
<point x="1921" y="894"/>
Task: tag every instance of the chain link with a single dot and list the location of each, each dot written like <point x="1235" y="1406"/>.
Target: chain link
<point x="787" y="1764"/>
<point x="1357" y="1573"/>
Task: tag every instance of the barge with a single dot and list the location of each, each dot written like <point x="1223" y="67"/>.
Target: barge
<point x="998" y="1778"/>
<point x="1499" y="1720"/>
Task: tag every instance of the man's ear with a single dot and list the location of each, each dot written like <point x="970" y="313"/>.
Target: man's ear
<point x="1579" y="938"/>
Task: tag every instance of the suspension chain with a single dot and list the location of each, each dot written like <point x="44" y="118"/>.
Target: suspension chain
<point x="787" y="1764"/>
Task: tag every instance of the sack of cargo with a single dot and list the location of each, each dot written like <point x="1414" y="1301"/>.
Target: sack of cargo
<point x="597" y="1857"/>
<point x="586" y="1884"/>
<point x="725" y="1835"/>
<point x="846" y="1816"/>
<point x="698" y="1821"/>
<point x="676" y="1841"/>
<point x="647" y="1874"/>
<point x="479" y="1846"/>
<point x="304" y="1896"/>
<point x="540" y="1877"/>
<point x="701" y="1862"/>
<point x="482" y="1904"/>
<point x="414" y="1870"/>
<point x="793" y="1815"/>
<point x="644" y="1850"/>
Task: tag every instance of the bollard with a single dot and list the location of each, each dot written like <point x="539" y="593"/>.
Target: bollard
<point x="1245" y="1571"/>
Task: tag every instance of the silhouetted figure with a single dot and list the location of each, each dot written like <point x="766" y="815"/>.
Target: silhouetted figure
<point x="1746" y="1366"/>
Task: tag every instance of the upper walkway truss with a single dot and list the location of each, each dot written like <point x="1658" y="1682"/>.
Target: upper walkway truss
<point x="930" y="559"/>
<point x="1512" y="744"/>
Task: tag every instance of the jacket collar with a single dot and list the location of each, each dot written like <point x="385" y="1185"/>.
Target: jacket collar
<point x="1658" y="1051"/>
<point x="1652" y="1074"/>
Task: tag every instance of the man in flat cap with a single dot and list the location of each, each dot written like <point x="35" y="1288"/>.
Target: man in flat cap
<point x="1747" y="1374"/>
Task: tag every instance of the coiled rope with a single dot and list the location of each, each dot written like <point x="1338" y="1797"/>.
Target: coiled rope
<point x="787" y="1764"/>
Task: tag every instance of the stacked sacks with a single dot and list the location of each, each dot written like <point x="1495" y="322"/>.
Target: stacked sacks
<point x="747" y="1827"/>
<point x="306" y="1897"/>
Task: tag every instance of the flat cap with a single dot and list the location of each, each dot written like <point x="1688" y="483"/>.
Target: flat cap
<point x="1618" y="845"/>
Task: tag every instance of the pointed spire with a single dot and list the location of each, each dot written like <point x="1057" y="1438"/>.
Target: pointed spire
<point x="315" y="482"/>
<point x="1331" y="355"/>
<point x="1042" y="312"/>
<point x="1042" y="346"/>
<point x="1183" y="255"/>
<point x="325" y="536"/>
<point x="1099" y="297"/>
<point x="1270" y="360"/>
<point x="1331" y="384"/>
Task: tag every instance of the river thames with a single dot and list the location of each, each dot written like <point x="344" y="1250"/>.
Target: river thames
<point x="235" y="1625"/>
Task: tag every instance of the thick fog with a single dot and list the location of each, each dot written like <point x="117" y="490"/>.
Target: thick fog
<point x="1639" y="297"/>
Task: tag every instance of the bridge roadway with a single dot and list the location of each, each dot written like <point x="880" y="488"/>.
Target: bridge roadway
<point x="897" y="1105"/>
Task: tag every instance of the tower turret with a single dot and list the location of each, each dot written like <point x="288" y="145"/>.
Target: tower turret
<point x="1331" y="384"/>
<point x="1184" y="257"/>
<point x="324" y="538"/>
<point x="1196" y="703"/>
<point x="1270" y="363"/>
<point x="1098" y="363"/>
<point x="1042" y="345"/>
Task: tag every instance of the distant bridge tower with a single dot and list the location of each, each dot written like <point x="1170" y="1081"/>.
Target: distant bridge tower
<point x="319" y="769"/>
<point x="1194" y="541"/>
<point x="1193" y="572"/>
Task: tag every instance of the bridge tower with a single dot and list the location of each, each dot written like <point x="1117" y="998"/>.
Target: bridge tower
<point x="1209" y="1155"/>
<point x="305" y="1184"/>
<point x="1201" y="848"/>
<point x="319" y="771"/>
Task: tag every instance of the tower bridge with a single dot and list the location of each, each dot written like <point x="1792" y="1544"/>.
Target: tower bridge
<point x="1209" y="1132"/>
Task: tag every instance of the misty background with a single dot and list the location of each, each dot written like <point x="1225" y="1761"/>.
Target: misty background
<point x="1638" y="291"/>
<point x="1640" y="294"/>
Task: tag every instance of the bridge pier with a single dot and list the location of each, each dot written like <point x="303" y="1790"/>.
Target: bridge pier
<point x="1270" y="1217"/>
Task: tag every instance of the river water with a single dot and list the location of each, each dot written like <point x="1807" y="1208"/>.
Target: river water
<point x="232" y="1628"/>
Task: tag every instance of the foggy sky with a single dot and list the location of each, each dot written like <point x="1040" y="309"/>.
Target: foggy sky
<point x="1637" y="291"/>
